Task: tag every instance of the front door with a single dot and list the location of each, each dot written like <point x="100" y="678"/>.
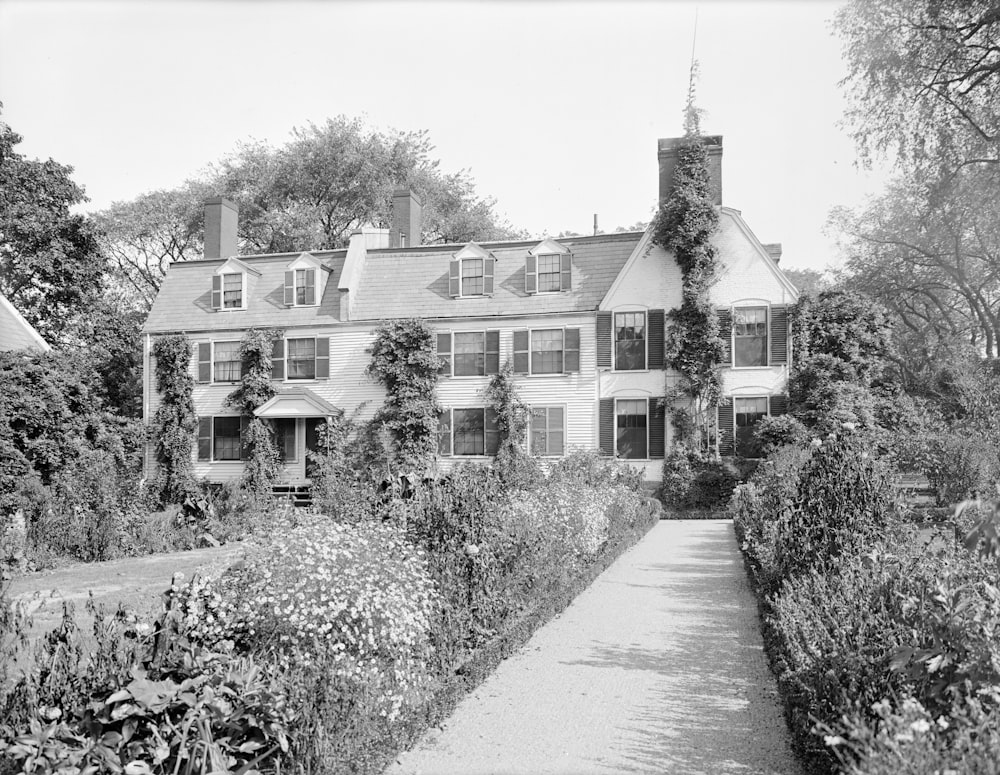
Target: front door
<point x="287" y="436"/>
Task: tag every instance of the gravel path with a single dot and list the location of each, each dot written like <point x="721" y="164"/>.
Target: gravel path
<point x="657" y="668"/>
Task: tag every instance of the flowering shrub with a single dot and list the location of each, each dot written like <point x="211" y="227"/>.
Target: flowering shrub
<point x="357" y="595"/>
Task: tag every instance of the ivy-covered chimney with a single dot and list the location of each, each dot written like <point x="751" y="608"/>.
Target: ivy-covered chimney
<point x="666" y="154"/>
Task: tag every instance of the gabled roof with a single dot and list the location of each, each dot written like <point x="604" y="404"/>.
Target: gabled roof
<point x="296" y="402"/>
<point x="414" y="282"/>
<point x="16" y="333"/>
<point x="184" y="302"/>
<point x="393" y="283"/>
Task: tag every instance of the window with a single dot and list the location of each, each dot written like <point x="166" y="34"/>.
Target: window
<point x="630" y="428"/>
<point x="227" y="366"/>
<point x="301" y="359"/>
<point x="227" y="443"/>
<point x="284" y="439"/>
<point x="547" y="351"/>
<point x="305" y="287"/>
<point x="750" y="336"/>
<point x="472" y="277"/>
<point x="468" y="432"/>
<point x="749" y="412"/>
<point x="549" y="273"/>
<point x="470" y="354"/>
<point x="232" y="291"/>
<point x="547" y="430"/>
<point x="630" y="341"/>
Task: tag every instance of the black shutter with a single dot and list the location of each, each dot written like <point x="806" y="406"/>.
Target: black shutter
<point x="310" y="286"/>
<point x="491" y="432"/>
<point x="289" y="288"/>
<point x="278" y="359"/>
<point x="531" y="275"/>
<point x="779" y="405"/>
<point x="444" y="354"/>
<point x="204" y="361"/>
<point x="444" y="433"/>
<point x="604" y="340"/>
<point x="566" y="273"/>
<point x="454" y="278"/>
<point x="216" y="291"/>
<point x="489" y="269"/>
<point x="322" y="357"/>
<point x="493" y="352"/>
<point x="726" y="334"/>
<point x="779" y="335"/>
<point x="571" y="350"/>
<point x="657" y="321"/>
<point x="204" y="438"/>
<point x="606" y="426"/>
<point x="727" y="435"/>
<point x="657" y="428"/>
<point x="521" y="352"/>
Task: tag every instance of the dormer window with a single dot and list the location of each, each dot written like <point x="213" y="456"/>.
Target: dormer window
<point x="232" y="291"/>
<point x="302" y="282"/>
<point x="229" y="285"/>
<point x="548" y="268"/>
<point x="470" y="272"/>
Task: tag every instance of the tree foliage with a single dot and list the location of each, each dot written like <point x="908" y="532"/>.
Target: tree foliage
<point x="50" y="264"/>
<point x="923" y="80"/>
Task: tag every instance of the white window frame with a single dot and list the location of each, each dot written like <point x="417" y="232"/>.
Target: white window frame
<point x="645" y="400"/>
<point x="538" y="272"/>
<point x="296" y="286"/>
<point x="614" y="340"/>
<point x="222" y="291"/>
<point x="531" y="334"/>
<point x="734" y="399"/>
<point x="239" y="458"/>
<point x="215" y="381"/>
<point x="454" y="455"/>
<point x="287" y="359"/>
<point x="461" y="278"/>
<point x="531" y="409"/>
<point x="767" y="336"/>
<point x="453" y="353"/>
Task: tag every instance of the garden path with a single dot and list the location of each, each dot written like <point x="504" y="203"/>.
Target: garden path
<point x="658" y="667"/>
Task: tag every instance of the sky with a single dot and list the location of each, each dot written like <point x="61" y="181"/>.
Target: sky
<point x="554" y="108"/>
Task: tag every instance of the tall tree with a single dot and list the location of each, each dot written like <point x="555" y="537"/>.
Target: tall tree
<point x="50" y="264"/>
<point x="923" y="80"/>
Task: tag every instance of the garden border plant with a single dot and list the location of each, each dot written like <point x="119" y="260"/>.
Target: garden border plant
<point x="175" y="424"/>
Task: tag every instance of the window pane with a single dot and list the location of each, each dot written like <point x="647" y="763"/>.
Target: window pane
<point x="227" y="364"/>
<point x="470" y="354"/>
<point x="548" y="273"/>
<point x="631" y="429"/>
<point x="232" y="290"/>
<point x="470" y="433"/>
<point x="472" y="277"/>
<point x="748" y="412"/>
<point x="301" y="359"/>
<point x="630" y="341"/>
<point x="547" y="430"/>
<point x="300" y="286"/>
<point x="750" y="336"/>
<point x="547" y="352"/>
<point x="226" y="442"/>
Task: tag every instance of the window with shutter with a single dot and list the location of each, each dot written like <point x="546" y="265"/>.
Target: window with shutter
<point x="493" y="352"/>
<point x="547" y="351"/>
<point x="472" y="276"/>
<point x="657" y="323"/>
<point x="726" y="335"/>
<point x="631" y="428"/>
<point x="750" y="336"/>
<point x="571" y="362"/>
<point x="444" y="353"/>
<point x="549" y="273"/>
<point x="521" y="363"/>
<point x="232" y="290"/>
<point x="289" y="288"/>
<point x="657" y="428"/>
<point x="305" y="287"/>
<point x="566" y="273"/>
<point x="531" y="275"/>
<point x="216" y="292"/>
<point x="227" y="441"/>
<point x="227" y="365"/>
<point x="727" y="442"/>
<point x="779" y="335"/>
<point x="630" y="341"/>
<point x="603" y="337"/>
<point x="547" y="431"/>
<point x="204" y="361"/>
<point x="205" y="438"/>
<point x="278" y="359"/>
<point x="747" y="413"/>
<point x="454" y="278"/>
<point x="470" y="354"/>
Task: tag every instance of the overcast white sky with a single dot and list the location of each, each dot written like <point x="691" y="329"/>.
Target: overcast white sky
<point x="554" y="107"/>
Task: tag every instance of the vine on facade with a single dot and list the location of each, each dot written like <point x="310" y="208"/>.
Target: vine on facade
<point x="404" y="362"/>
<point x="262" y="465"/>
<point x="512" y="462"/>
<point x="175" y="424"/>
<point x="684" y="226"/>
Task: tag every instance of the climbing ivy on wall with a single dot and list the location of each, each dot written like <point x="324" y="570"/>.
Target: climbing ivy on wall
<point x="262" y="464"/>
<point x="404" y="362"/>
<point x="175" y="426"/>
<point x="684" y="226"/>
<point x="511" y="463"/>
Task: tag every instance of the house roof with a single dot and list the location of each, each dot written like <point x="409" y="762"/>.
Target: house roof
<point x="184" y="302"/>
<point x="394" y="283"/>
<point x="296" y="402"/>
<point x="16" y="333"/>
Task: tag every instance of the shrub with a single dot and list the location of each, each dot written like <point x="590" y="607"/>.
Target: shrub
<point x="960" y="465"/>
<point x="692" y="482"/>
<point x="844" y="497"/>
<point x="778" y="431"/>
<point x="594" y="470"/>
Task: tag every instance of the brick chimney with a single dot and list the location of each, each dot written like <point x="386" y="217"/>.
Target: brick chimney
<point x="406" y="224"/>
<point x="221" y="218"/>
<point x="666" y="154"/>
<point x="774" y="251"/>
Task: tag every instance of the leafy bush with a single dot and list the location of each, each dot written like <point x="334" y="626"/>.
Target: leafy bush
<point x="777" y="431"/>
<point x="690" y="481"/>
<point x="589" y="468"/>
<point x="960" y="465"/>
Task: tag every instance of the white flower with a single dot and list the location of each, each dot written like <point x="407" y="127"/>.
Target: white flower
<point x="471" y="549"/>
<point x="849" y="426"/>
<point x="833" y="740"/>
<point x="920" y="726"/>
<point x="817" y="442"/>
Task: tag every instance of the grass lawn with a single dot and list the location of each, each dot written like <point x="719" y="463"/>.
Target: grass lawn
<point x="137" y="582"/>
